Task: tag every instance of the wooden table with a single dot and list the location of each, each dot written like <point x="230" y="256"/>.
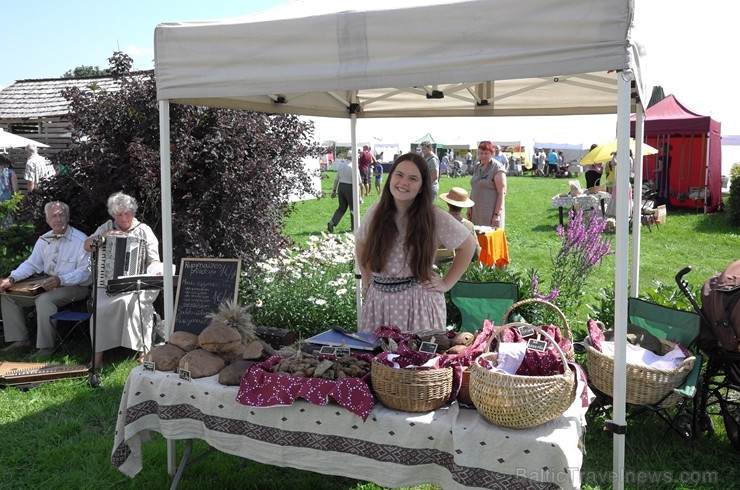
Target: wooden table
<point x="453" y="447"/>
<point x="494" y="250"/>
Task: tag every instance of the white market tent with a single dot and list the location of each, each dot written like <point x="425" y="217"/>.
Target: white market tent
<point x="381" y="58"/>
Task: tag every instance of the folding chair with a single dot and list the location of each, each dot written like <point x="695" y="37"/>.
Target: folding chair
<point x="74" y="315"/>
<point x="478" y="301"/>
<point x="676" y="326"/>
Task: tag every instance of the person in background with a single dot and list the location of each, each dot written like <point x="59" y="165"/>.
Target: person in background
<point x="59" y="254"/>
<point x="444" y="165"/>
<point x="427" y="151"/>
<point x="365" y="159"/>
<point x="378" y="175"/>
<point x="8" y="186"/>
<point x="500" y="157"/>
<point x="125" y="319"/>
<point x="38" y="168"/>
<point x="552" y="164"/>
<point x="396" y="247"/>
<point x="594" y="172"/>
<point x="488" y="190"/>
<point x="457" y="200"/>
<point x="342" y="190"/>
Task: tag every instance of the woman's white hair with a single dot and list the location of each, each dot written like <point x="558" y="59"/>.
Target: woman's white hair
<point x="121" y="202"/>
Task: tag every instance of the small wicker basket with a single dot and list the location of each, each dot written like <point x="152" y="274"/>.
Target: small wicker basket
<point x="411" y="390"/>
<point x="645" y="385"/>
<point x="565" y="329"/>
<point x="520" y="402"/>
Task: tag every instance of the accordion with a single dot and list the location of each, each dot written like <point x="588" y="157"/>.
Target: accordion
<point x="120" y="257"/>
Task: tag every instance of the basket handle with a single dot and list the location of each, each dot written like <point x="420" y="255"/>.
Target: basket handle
<point x="566" y="327"/>
<point x="500" y="330"/>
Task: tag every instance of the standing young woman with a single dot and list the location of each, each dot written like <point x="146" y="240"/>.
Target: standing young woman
<point x="488" y="189"/>
<point x="396" y="246"/>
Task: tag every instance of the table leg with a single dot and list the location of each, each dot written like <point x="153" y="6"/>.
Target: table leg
<point x="560" y="215"/>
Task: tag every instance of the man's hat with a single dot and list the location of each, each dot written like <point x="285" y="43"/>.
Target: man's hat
<point x="457" y="197"/>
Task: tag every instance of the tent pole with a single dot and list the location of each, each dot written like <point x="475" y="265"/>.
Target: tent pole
<point x="355" y="164"/>
<point x="166" y="185"/>
<point x="637" y="200"/>
<point x="619" y="425"/>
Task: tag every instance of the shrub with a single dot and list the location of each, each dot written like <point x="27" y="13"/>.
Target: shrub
<point x="733" y="202"/>
<point x="232" y="172"/>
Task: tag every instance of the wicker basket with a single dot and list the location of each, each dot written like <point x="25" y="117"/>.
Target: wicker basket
<point x="464" y="394"/>
<point x="645" y="385"/>
<point x="411" y="390"/>
<point x="520" y="402"/>
<point x="565" y="329"/>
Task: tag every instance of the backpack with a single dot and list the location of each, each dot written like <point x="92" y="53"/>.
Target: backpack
<point x="721" y="306"/>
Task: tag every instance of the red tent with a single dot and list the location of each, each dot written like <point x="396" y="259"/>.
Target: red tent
<point x="687" y="169"/>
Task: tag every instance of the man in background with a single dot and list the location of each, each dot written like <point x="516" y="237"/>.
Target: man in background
<point x="38" y="168"/>
<point x="343" y="191"/>
<point x="427" y="151"/>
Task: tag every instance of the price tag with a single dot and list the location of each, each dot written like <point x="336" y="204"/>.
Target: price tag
<point x="184" y="374"/>
<point x="428" y="347"/>
<point x="342" y="351"/>
<point x="149" y="366"/>
<point x="328" y="350"/>
<point x="526" y="331"/>
<point x="536" y="345"/>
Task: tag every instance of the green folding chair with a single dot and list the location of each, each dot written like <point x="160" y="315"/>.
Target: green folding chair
<point x="478" y="301"/>
<point x="676" y="326"/>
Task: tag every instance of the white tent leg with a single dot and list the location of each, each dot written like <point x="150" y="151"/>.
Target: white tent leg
<point x="637" y="201"/>
<point x="355" y="164"/>
<point x="619" y="424"/>
<point x="164" y="158"/>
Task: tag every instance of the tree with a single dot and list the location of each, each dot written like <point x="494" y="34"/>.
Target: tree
<point x="86" y="71"/>
<point x="232" y="171"/>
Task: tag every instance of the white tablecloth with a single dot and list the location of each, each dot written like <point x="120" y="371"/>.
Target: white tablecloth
<point x="453" y="447"/>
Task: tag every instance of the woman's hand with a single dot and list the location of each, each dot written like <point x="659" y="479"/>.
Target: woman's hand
<point x="436" y="284"/>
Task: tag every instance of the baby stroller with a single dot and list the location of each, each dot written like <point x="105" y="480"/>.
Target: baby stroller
<point x="719" y="340"/>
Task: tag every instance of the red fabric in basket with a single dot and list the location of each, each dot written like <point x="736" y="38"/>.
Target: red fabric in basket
<point x="261" y="388"/>
<point x="595" y="335"/>
<point x="536" y="363"/>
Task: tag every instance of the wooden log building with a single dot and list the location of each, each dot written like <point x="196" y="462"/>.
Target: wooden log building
<point x="36" y="109"/>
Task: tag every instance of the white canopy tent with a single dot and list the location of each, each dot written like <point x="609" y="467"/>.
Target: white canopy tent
<point x="381" y="58"/>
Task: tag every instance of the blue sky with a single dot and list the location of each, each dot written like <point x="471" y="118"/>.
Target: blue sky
<point x="692" y="53"/>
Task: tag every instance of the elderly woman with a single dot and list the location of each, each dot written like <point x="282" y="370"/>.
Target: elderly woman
<point x="125" y="319"/>
<point x="488" y="189"/>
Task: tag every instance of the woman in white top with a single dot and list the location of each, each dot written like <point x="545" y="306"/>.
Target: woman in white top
<point x="125" y="319"/>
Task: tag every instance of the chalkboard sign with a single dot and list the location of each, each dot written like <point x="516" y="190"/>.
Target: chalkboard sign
<point x="202" y="286"/>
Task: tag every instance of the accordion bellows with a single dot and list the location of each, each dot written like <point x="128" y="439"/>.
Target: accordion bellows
<point x="120" y="257"/>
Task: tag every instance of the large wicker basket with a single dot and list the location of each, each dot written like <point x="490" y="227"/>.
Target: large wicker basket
<point x="411" y="390"/>
<point x="564" y="328"/>
<point x="520" y="402"/>
<point x="645" y="385"/>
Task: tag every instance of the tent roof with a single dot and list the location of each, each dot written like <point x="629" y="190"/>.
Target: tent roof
<point x="671" y="115"/>
<point x="382" y="59"/>
<point x="426" y="137"/>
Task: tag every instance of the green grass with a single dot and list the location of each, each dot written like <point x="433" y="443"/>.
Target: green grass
<point x="60" y="435"/>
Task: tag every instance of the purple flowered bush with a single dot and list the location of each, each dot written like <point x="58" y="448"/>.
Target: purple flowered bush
<point x="582" y="248"/>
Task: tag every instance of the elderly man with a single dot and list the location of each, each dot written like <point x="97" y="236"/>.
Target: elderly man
<point x="427" y="151"/>
<point x="58" y="254"/>
<point x="38" y="168"/>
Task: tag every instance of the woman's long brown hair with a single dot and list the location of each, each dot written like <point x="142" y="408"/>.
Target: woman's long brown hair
<point x="420" y="244"/>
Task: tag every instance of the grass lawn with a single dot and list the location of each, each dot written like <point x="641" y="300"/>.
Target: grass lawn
<point x="60" y="435"/>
